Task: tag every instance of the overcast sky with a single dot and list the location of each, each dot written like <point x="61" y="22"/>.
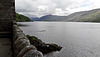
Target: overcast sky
<point x="38" y="8"/>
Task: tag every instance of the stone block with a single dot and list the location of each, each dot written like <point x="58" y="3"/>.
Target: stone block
<point x="7" y="14"/>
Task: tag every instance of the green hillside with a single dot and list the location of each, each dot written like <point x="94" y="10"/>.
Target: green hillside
<point x="22" y="18"/>
<point x="85" y="16"/>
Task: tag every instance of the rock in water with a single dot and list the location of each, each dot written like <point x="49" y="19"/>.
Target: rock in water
<point x="43" y="47"/>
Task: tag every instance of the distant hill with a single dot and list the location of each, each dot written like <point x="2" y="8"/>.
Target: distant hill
<point x="84" y="16"/>
<point x="22" y="18"/>
<point x="52" y="18"/>
<point x="35" y="19"/>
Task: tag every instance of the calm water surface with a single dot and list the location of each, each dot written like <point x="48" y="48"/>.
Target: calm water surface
<point x="77" y="39"/>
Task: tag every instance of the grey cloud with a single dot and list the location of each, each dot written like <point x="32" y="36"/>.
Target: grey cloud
<point x="43" y="7"/>
<point x="24" y="10"/>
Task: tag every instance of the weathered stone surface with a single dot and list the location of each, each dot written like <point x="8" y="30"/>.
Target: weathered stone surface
<point x="33" y="53"/>
<point x="22" y="46"/>
<point x="26" y="49"/>
<point x="5" y="47"/>
<point x="7" y="14"/>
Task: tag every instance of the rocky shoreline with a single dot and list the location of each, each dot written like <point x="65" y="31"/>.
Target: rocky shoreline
<point x="43" y="47"/>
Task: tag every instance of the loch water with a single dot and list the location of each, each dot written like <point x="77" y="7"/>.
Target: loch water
<point x="78" y="39"/>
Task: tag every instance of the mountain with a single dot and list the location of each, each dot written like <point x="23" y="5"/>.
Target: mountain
<point x="52" y="18"/>
<point x="85" y="16"/>
<point x="35" y="19"/>
<point x="22" y="18"/>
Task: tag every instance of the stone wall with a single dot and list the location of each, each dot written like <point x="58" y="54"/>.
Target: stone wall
<point x="22" y="46"/>
<point x="7" y="14"/>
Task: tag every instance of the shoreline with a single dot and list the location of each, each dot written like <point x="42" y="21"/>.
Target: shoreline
<point x="45" y="48"/>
